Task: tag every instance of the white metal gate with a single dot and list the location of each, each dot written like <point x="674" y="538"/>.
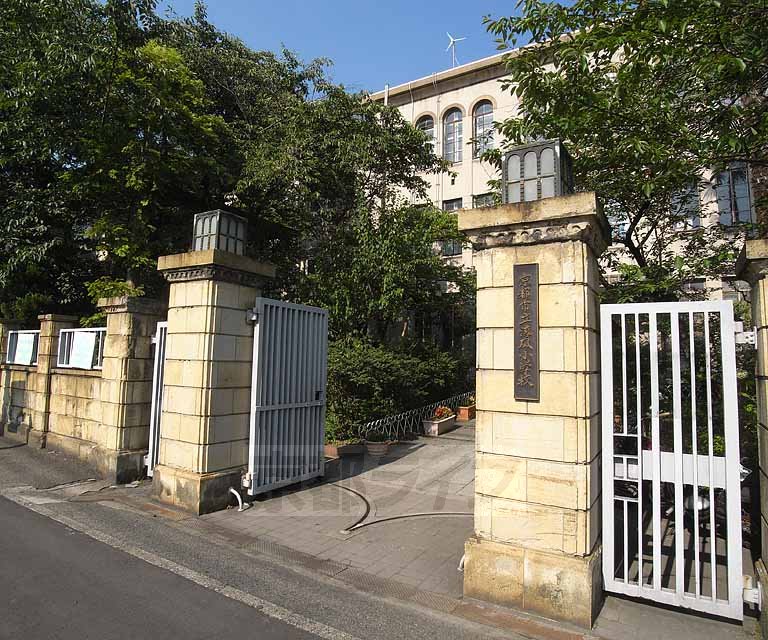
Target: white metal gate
<point x="290" y="364"/>
<point x="158" y="372"/>
<point x="671" y="465"/>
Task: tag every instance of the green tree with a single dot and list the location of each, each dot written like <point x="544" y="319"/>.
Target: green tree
<point x="106" y="147"/>
<point x="646" y="94"/>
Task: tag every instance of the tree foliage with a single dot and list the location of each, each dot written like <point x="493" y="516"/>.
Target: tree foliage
<point x="647" y="95"/>
<point x="117" y="125"/>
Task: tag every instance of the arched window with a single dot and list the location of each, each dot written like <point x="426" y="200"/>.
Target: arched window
<point x="482" y="125"/>
<point x="452" y="135"/>
<point x="426" y="124"/>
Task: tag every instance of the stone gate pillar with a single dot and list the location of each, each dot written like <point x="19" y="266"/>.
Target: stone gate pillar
<point x="51" y="325"/>
<point x="126" y="385"/>
<point x="752" y="266"/>
<point x="536" y="544"/>
<point x="204" y="425"/>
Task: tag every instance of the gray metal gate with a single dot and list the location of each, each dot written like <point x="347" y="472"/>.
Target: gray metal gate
<point x="158" y="372"/>
<point x="671" y="465"/>
<point x="290" y="364"/>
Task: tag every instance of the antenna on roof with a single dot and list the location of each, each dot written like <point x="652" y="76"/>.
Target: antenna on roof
<point x="452" y="46"/>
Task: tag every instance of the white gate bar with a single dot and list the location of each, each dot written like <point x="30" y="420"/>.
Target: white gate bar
<point x="155" y="416"/>
<point x="731" y="434"/>
<point x="640" y="452"/>
<point x="694" y="451"/>
<point x="606" y="383"/>
<point x="710" y="445"/>
<point x="677" y="428"/>
<point x="624" y="429"/>
<point x="655" y="448"/>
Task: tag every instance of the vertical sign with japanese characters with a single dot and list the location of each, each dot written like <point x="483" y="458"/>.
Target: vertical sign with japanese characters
<point x="526" y="331"/>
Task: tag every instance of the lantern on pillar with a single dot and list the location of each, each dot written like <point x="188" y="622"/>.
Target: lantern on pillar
<point x="536" y="171"/>
<point x="219" y="229"/>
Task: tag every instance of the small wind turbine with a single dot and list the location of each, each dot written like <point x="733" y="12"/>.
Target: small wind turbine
<point x="452" y="46"/>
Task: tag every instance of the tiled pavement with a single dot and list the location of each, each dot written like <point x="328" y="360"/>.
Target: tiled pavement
<point x="404" y="517"/>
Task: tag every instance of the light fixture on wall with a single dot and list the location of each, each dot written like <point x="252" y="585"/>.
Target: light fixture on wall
<point x="536" y="171"/>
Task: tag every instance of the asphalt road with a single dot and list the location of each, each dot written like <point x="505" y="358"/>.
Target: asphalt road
<point x="113" y="572"/>
<point x="59" y="583"/>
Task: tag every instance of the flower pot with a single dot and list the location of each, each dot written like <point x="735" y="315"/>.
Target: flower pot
<point x="436" y="427"/>
<point x="343" y="450"/>
<point x="377" y="449"/>
<point x="467" y="412"/>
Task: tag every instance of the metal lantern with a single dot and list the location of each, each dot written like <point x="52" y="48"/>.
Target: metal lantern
<point x="219" y="229"/>
<point x="536" y="171"/>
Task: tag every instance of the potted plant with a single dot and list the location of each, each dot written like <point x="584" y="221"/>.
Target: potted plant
<point x="376" y="444"/>
<point x="467" y="410"/>
<point x="344" y="448"/>
<point x="441" y="421"/>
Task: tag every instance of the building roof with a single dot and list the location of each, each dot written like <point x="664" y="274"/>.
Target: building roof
<point x="463" y="74"/>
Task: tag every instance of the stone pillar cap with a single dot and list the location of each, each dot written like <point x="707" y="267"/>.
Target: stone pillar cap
<point x="57" y="317"/>
<point x="131" y="304"/>
<point x="214" y="264"/>
<point x="577" y="216"/>
<point x="752" y="263"/>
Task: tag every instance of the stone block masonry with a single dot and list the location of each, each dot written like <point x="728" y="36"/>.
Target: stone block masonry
<point x="100" y="415"/>
<point x="752" y="266"/>
<point x="536" y="544"/>
<point x="206" y="404"/>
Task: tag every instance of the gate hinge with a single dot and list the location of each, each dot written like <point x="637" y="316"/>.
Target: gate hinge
<point x="745" y="337"/>
<point x="753" y="591"/>
<point x="247" y="477"/>
<point x="253" y="316"/>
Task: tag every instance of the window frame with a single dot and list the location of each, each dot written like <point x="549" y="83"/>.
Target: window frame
<point x="484" y="196"/>
<point x="453" y="135"/>
<point x="419" y="125"/>
<point x="733" y="197"/>
<point x="482" y="141"/>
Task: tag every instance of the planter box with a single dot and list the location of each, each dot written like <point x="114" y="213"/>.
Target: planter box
<point x="436" y="427"/>
<point x="377" y="449"/>
<point x="467" y="413"/>
<point x="343" y="450"/>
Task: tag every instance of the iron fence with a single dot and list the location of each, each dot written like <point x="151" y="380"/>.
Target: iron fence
<point x="411" y="422"/>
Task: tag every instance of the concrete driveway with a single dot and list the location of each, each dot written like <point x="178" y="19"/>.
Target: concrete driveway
<point x="404" y="517"/>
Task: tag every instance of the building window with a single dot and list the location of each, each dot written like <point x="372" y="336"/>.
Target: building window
<point x="453" y="138"/>
<point x="686" y="208"/>
<point x="451" y="247"/>
<point x="426" y="125"/>
<point x="483" y="200"/>
<point x="452" y="205"/>
<point x="482" y="124"/>
<point x="734" y="200"/>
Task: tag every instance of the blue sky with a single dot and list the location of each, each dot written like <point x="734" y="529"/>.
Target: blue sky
<point x="371" y="42"/>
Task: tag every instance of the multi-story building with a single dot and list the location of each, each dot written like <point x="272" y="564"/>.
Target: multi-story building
<point x="456" y="109"/>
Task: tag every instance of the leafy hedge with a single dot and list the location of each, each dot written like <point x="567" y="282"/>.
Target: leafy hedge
<point x="367" y="381"/>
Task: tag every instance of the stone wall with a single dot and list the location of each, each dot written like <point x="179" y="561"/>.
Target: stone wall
<point x="75" y="407"/>
<point x="100" y="415"/>
<point x="19" y="384"/>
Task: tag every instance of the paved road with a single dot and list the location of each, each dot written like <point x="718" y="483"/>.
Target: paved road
<point x="59" y="583"/>
<point x="115" y="572"/>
